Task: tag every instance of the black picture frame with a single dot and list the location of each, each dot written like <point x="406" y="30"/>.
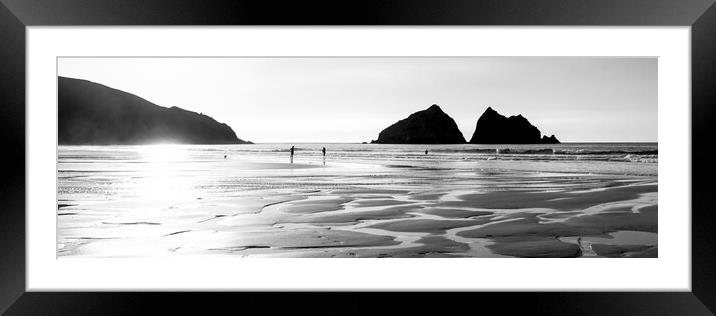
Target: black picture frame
<point x="16" y="15"/>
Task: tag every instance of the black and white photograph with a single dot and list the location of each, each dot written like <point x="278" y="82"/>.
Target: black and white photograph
<point x="357" y="157"/>
<point x="546" y="157"/>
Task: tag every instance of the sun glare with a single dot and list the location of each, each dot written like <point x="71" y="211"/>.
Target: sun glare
<point x="164" y="153"/>
<point x="163" y="178"/>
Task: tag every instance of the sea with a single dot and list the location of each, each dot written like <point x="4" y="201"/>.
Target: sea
<point x="601" y="158"/>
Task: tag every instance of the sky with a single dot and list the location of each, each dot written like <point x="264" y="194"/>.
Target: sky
<point x="319" y="99"/>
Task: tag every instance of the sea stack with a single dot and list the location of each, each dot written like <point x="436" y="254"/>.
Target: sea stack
<point x="429" y="126"/>
<point x="93" y="114"/>
<point x="494" y="128"/>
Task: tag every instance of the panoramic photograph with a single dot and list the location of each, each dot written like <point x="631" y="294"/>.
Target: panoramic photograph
<point x="357" y="157"/>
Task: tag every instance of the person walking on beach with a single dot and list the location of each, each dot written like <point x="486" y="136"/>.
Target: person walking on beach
<point x="426" y="151"/>
<point x="292" y="149"/>
<point x="324" y="155"/>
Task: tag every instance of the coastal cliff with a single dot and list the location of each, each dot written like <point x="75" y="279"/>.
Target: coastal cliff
<point x="494" y="128"/>
<point x="93" y="114"/>
<point x="430" y="126"/>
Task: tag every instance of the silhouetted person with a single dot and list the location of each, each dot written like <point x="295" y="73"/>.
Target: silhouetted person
<point x="292" y="149"/>
<point x="324" y="151"/>
<point x="426" y="151"/>
<point x="224" y="156"/>
<point x="324" y="155"/>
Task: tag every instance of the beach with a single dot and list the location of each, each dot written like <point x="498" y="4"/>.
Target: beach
<point x="359" y="200"/>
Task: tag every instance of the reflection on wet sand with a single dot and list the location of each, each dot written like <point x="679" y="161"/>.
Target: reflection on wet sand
<point x="164" y="205"/>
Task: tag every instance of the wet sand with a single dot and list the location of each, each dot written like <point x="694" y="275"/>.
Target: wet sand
<point x="307" y="209"/>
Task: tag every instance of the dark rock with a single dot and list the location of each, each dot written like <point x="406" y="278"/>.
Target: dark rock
<point x="430" y="126"/>
<point x="93" y="114"/>
<point x="494" y="128"/>
<point x="549" y="140"/>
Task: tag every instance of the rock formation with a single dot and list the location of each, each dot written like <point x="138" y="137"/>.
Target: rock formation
<point x="93" y="114"/>
<point x="430" y="126"/>
<point x="549" y="140"/>
<point x="494" y="128"/>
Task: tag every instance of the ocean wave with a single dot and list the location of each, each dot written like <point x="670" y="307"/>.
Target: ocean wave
<point x="606" y="152"/>
<point x="534" y="155"/>
<point x="470" y="150"/>
<point x="612" y="152"/>
<point x="545" y="151"/>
